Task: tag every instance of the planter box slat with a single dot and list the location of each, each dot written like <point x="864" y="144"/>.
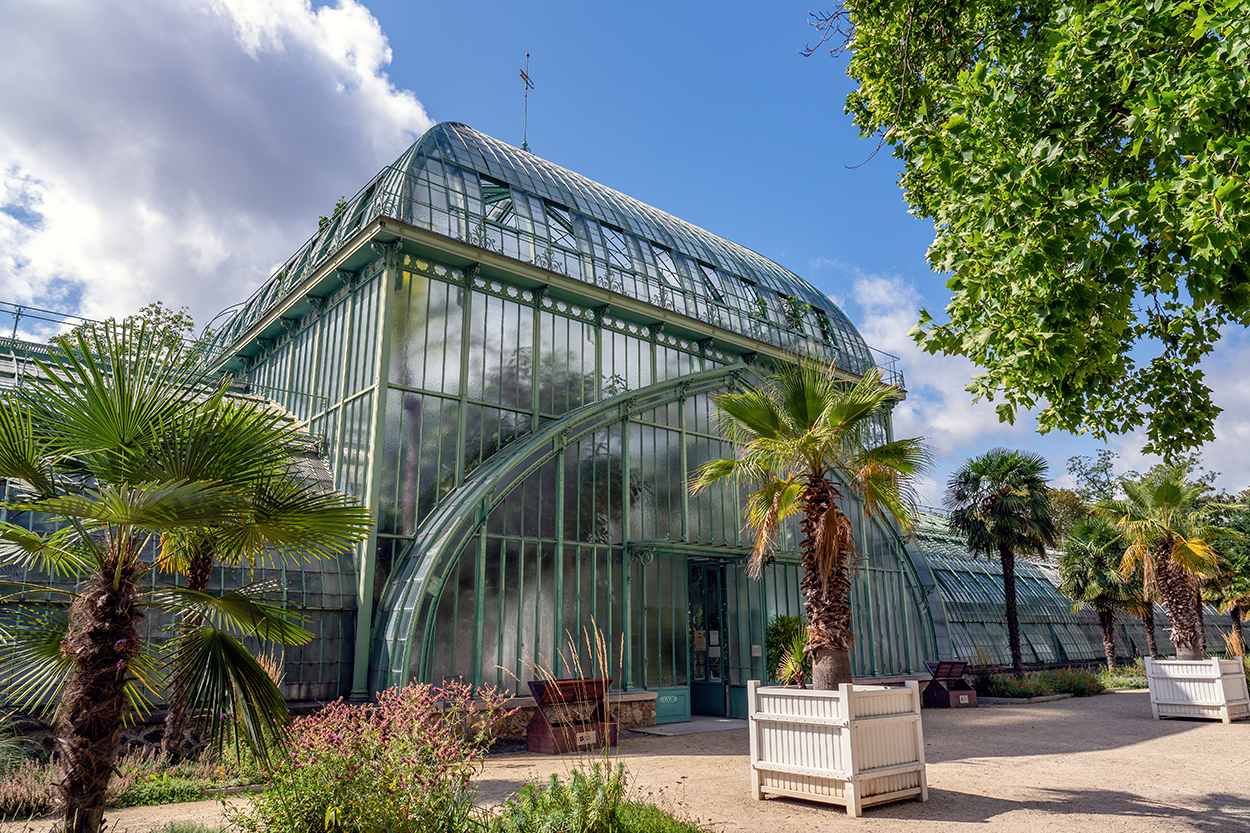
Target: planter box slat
<point x="1214" y="689"/>
<point x="800" y="718"/>
<point x="857" y="746"/>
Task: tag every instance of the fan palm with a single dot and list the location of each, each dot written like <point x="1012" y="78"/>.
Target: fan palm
<point x="1000" y="505"/>
<point x="802" y="437"/>
<point x="1089" y="575"/>
<point x="1165" y="531"/>
<point x="1229" y="591"/>
<point x="122" y="439"/>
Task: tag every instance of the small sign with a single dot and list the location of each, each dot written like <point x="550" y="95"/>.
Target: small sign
<point x="700" y="640"/>
<point x="713" y="653"/>
<point x="757" y="650"/>
<point x="963" y="699"/>
<point x="713" y="637"/>
<point x="585" y="738"/>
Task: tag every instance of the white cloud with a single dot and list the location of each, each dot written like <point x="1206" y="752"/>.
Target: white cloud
<point x="937" y="406"/>
<point x="177" y="151"/>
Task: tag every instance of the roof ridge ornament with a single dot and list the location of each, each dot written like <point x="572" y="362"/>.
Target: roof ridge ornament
<point x="529" y="85"/>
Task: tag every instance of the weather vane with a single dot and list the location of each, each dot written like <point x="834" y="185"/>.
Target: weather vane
<point x="529" y="85"/>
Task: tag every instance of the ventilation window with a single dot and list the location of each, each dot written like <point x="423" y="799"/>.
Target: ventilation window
<point x="497" y="202"/>
<point x="668" y="270"/>
<point x="618" y="249"/>
<point x="560" y="223"/>
<point x="712" y="280"/>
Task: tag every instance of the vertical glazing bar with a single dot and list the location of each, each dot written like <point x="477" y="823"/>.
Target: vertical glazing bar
<point x="520" y="608"/>
<point x="536" y="355"/>
<point x="479" y="596"/>
<point x="685" y="469"/>
<point x="627" y="664"/>
<point x="371" y="481"/>
<point x="558" y="601"/>
<point x="466" y="325"/>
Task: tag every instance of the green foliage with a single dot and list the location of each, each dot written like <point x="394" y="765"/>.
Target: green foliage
<point x="403" y="764"/>
<point x="1132" y="676"/>
<point x="188" y="827"/>
<point x="339" y="207"/>
<point x="141" y="778"/>
<point x="779" y="635"/>
<point x="1075" y="681"/>
<point x="1084" y="164"/>
<point x="162" y="789"/>
<point x="1089" y="568"/>
<point x="795" y="667"/>
<point x="640" y="817"/>
<point x="588" y="802"/>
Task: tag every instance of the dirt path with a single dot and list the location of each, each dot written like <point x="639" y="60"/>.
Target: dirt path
<point x="1096" y="764"/>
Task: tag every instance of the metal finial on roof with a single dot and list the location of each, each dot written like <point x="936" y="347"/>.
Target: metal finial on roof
<point x="529" y="85"/>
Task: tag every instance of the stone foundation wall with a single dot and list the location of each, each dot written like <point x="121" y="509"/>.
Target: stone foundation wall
<point x="629" y="710"/>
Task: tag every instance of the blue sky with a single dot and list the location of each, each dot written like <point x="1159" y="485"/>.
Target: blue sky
<point x="151" y="150"/>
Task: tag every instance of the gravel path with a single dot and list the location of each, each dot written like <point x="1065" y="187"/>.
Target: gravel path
<point x="1093" y="764"/>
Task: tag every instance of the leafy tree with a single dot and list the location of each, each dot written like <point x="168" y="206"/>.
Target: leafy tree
<point x="1068" y="510"/>
<point x="1089" y="573"/>
<point x="1084" y="164"/>
<point x="1095" y="476"/>
<point x="1166" y="532"/>
<point x="122" y="438"/>
<point x="1000" y="505"/>
<point x="806" y="441"/>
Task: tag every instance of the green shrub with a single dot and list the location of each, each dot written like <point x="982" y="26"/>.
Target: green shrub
<point x="779" y="635"/>
<point x="402" y="764"/>
<point x="640" y="817"/>
<point x="1008" y="685"/>
<point x="587" y="803"/>
<point x="188" y="827"/>
<point x="160" y="789"/>
<point x="1129" y="675"/>
<point x="1075" y="681"/>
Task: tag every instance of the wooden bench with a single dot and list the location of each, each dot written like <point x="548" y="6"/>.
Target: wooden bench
<point x="572" y="715"/>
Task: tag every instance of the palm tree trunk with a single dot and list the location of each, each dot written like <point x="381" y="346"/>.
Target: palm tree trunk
<point x="827" y="599"/>
<point x="1008" y="560"/>
<point x="177" y="716"/>
<point x="103" y="639"/>
<point x="1234" y="618"/>
<point x="1200" y="615"/>
<point x="1148" y="619"/>
<point x="1107" y="620"/>
<point x="1176" y="594"/>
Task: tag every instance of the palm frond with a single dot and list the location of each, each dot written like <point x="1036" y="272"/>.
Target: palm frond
<point x="152" y="507"/>
<point x="33" y="666"/>
<point x="56" y="554"/>
<point x="229" y="690"/>
<point x="242" y="612"/>
<point x="288" y="522"/>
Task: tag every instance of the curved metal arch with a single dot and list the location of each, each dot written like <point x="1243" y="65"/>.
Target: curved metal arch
<point x="426" y="564"/>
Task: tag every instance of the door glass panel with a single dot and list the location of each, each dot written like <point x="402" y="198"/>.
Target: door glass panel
<point x="698" y="625"/>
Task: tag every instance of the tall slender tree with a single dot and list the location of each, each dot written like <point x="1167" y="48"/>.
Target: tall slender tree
<point x="122" y="437"/>
<point x="805" y="443"/>
<point x="1166" y="533"/>
<point x="1000" y="505"/>
<point x="1089" y="573"/>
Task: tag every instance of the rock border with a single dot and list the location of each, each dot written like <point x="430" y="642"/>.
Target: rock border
<point x="1013" y="701"/>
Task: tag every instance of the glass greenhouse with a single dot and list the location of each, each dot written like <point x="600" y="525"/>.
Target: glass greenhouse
<point x="513" y="364"/>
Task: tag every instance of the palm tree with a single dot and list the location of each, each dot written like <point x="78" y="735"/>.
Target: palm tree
<point x="1000" y="504"/>
<point x="122" y="438"/>
<point x="1166" y="531"/>
<point x="1089" y="573"/>
<point x="1229" y="591"/>
<point x="805" y="442"/>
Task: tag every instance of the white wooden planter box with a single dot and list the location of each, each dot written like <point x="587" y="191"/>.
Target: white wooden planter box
<point x="857" y="746"/>
<point x="1211" y="688"/>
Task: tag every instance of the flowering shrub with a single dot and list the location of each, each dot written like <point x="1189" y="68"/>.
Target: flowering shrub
<point x="404" y="763"/>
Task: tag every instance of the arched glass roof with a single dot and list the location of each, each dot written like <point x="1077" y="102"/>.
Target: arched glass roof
<point x="463" y="184"/>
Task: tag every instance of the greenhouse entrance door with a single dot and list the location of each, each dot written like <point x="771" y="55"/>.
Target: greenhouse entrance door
<point x="709" y="693"/>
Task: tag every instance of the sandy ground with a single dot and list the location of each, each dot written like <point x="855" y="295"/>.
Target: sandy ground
<point x="1096" y="764"/>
